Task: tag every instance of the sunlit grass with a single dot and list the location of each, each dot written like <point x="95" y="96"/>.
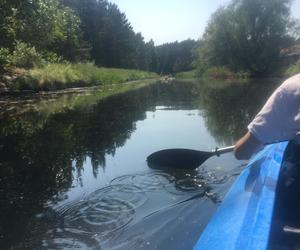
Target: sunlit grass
<point x="224" y="73"/>
<point x="221" y="73"/>
<point x="61" y="76"/>
<point x="186" y="74"/>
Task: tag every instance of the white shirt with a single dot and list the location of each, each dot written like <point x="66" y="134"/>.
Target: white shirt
<point x="279" y="119"/>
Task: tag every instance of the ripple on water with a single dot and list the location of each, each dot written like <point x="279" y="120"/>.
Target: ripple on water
<point x="87" y="220"/>
<point x="103" y="211"/>
<point x="155" y="181"/>
<point x="146" y="182"/>
<point x="191" y="184"/>
<point x="212" y="177"/>
<point x="128" y="193"/>
<point x="64" y="243"/>
<point x="100" y="215"/>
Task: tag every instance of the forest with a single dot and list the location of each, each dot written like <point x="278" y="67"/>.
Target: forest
<point x="245" y="38"/>
<point x="81" y="31"/>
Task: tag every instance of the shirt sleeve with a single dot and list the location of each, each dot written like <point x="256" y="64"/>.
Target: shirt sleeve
<point x="271" y="123"/>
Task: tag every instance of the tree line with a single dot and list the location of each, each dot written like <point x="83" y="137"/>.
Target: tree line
<point x="84" y="30"/>
<point x="244" y="36"/>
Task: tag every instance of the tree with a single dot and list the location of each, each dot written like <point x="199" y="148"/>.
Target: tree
<point x="151" y="56"/>
<point x="44" y="24"/>
<point x="119" y="39"/>
<point x="8" y="23"/>
<point x="112" y="39"/>
<point x="247" y="35"/>
<point x="176" y="57"/>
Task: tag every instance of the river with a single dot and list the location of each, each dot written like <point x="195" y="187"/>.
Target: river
<point x="73" y="170"/>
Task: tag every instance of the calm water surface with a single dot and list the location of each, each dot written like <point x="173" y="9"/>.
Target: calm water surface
<point x="73" y="173"/>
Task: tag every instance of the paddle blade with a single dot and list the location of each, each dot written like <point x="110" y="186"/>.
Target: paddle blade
<point x="177" y="158"/>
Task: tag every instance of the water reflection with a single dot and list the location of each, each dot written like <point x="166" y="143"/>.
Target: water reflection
<point x="228" y="108"/>
<point x="45" y="146"/>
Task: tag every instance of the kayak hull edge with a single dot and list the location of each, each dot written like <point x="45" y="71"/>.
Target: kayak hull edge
<point x="243" y="220"/>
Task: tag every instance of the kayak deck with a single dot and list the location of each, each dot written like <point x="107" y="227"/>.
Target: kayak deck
<point x="243" y="221"/>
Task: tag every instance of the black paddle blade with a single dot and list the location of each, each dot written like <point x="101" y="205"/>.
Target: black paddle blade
<point x="177" y="158"/>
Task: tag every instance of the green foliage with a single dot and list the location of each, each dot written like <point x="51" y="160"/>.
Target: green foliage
<point x="247" y="35"/>
<point x="4" y="58"/>
<point x="186" y="74"/>
<point x="51" y="57"/>
<point x="218" y="73"/>
<point x="176" y="57"/>
<point x="84" y="30"/>
<point x="26" y="56"/>
<point x="224" y="73"/>
<point x="60" y="76"/>
<point x="293" y="69"/>
<point x="8" y="23"/>
<point x="45" y="24"/>
<point x="67" y="35"/>
<point x="112" y="39"/>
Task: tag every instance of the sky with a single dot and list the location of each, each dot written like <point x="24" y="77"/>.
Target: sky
<point x="174" y="20"/>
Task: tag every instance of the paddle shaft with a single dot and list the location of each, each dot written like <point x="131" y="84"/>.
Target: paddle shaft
<point x="220" y="151"/>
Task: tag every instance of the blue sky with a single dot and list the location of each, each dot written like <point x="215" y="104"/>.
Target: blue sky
<point x="171" y="20"/>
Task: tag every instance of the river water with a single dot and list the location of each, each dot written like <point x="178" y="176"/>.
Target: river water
<point x="73" y="170"/>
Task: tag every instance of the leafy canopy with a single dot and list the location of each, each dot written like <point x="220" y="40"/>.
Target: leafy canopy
<point x="247" y="35"/>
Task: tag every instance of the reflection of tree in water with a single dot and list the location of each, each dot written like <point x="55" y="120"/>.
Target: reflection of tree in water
<point x="228" y="108"/>
<point x="37" y="163"/>
<point x="39" y="152"/>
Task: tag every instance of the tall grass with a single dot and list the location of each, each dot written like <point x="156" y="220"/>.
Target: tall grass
<point x="186" y="74"/>
<point x="61" y="76"/>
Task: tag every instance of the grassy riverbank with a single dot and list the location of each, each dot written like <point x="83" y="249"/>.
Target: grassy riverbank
<point x="46" y="104"/>
<point x="216" y="73"/>
<point x="186" y="74"/>
<point x="62" y="76"/>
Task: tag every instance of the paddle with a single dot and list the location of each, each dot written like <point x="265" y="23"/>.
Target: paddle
<point x="182" y="158"/>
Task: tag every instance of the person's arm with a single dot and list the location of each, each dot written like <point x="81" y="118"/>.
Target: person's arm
<point x="246" y="146"/>
<point x="269" y="125"/>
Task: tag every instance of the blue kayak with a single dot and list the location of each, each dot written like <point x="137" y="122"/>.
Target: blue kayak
<point x="243" y="220"/>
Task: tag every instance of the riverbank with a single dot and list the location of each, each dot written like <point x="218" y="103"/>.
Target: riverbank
<point x="225" y="74"/>
<point x="63" y="76"/>
<point x="47" y="103"/>
<point x="186" y="74"/>
<point x="214" y="73"/>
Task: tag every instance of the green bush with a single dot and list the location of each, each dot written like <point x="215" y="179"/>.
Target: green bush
<point x="26" y="56"/>
<point x="51" y="57"/>
<point x="218" y="73"/>
<point x="5" y="60"/>
<point x="224" y="73"/>
<point x="293" y="69"/>
<point x="186" y="74"/>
